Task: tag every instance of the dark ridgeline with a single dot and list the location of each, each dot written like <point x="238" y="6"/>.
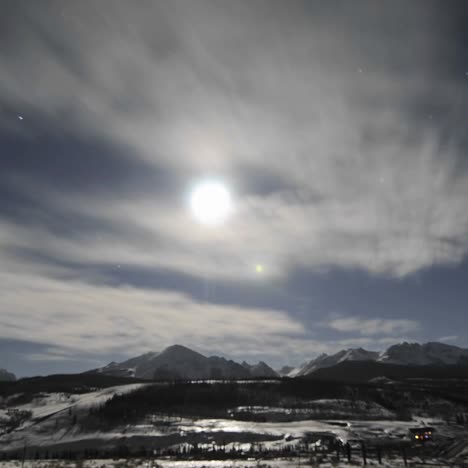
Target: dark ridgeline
<point x="66" y="383"/>
<point x="363" y="371"/>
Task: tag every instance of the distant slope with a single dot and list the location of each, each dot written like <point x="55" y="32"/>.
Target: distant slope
<point x="285" y="371"/>
<point x="180" y="362"/>
<point x="260" y="370"/>
<point x="66" y="383"/>
<point x="6" y="376"/>
<point x="432" y="353"/>
<point x="363" y="371"/>
<point x="135" y="367"/>
<point x="324" y="360"/>
<point x="402" y="354"/>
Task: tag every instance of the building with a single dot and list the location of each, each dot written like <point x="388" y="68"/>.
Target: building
<point x="422" y="434"/>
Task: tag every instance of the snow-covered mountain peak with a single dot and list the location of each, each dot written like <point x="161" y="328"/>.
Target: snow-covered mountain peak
<point x="413" y="354"/>
<point x="6" y="376"/>
<point x="432" y="353"/>
<point x="325" y="360"/>
<point x="179" y="362"/>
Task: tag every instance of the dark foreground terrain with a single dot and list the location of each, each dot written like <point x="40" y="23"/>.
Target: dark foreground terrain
<point x="313" y="421"/>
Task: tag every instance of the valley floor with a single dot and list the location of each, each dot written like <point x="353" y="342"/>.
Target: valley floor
<point x="60" y="425"/>
<point x="324" y="462"/>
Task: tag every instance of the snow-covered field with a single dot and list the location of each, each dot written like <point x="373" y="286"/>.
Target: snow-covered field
<point x="333" y="408"/>
<point x="54" y="425"/>
<point x="253" y="463"/>
<point x="51" y="403"/>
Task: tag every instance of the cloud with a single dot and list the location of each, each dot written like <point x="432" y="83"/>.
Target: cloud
<point x="337" y="153"/>
<point x="370" y="327"/>
<point x="76" y="316"/>
<point x="448" y="338"/>
<point x="48" y="357"/>
<point x="360" y="178"/>
<point x="81" y="322"/>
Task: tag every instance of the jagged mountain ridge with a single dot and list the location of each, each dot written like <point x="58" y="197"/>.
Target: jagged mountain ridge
<point x="431" y="353"/>
<point x="260" y="370"/>
<point x="6" y="376"/>
<point x="325" y="360"/>
<point x="180" y="362"/>
<point x="378" y="372"/>
<point x="403" y="354"/>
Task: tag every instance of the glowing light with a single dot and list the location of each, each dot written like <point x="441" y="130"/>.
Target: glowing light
<point x="259" y="268"/>
<point x="211" y="202"/>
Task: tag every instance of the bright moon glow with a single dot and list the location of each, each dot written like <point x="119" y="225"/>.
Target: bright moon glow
<point x="211" y="202"/>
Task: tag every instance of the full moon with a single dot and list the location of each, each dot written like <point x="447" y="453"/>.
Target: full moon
<point x="210" y="202"/>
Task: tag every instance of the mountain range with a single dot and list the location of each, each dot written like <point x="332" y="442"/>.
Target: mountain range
<point x="325" y="360"/>
<point x="403" y="354"/>
<point x="180" y="362"/>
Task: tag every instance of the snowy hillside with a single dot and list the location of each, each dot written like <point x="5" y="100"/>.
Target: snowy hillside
<point x="180" y="362"/>
<point x="134" y="367"/>
<point x="71" y="425"/>
<point x="324" y="360"/>
<point x="285" y="371"/>
<point x="6" y="376"/>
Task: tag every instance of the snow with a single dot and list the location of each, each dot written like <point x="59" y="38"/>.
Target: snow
<point x="274" y="435"/>
<point x="51" y="403"/>
<point x="217" y="429"/>
<point x="337" y="408"/>
<point x="324" y="360"/>
<point x="327" y="462"/>
<point x="403" y="354"/>
<point x="181" y="362"/>
<point x="425" y="354"/>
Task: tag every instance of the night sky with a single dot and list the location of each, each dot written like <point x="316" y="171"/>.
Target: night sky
<point x="339" y="129"/>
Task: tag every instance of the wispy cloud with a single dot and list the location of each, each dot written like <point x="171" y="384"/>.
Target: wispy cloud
<point x="83" y="320"/>
<point x="360" y="178"/>
<point x="97" y="318"/>
<point x="47" y="357"/>
<point x="365" y="326"/>
<point x="448" y="338"/>
<point x="338" y="154"/>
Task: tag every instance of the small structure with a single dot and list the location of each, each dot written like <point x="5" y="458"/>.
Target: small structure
<point x="422" y="434"/>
